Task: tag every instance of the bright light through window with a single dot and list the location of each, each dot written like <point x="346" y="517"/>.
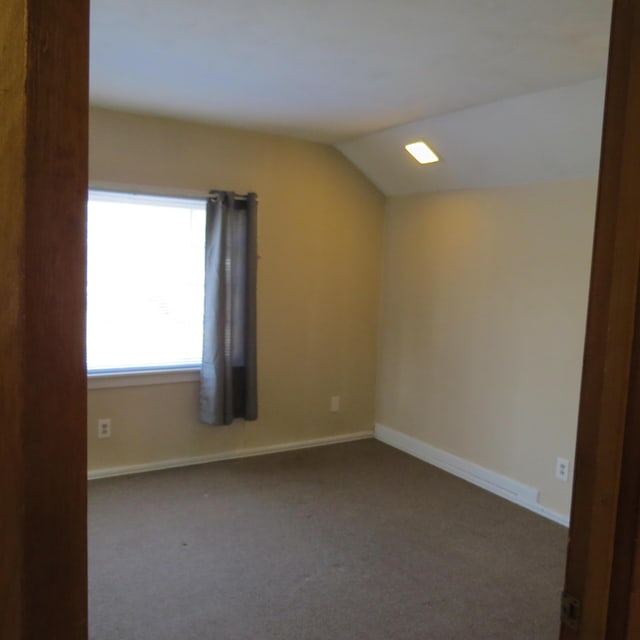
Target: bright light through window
<point x="145" y="282"/>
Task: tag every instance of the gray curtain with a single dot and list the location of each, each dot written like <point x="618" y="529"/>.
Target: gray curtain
<point x="228" y="379"/>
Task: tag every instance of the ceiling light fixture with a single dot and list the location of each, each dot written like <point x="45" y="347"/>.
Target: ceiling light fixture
<point x="422" y="153"/>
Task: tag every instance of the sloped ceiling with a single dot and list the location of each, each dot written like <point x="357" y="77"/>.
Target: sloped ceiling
<point x="548" y="136"/>
<point x="365" y="74"/>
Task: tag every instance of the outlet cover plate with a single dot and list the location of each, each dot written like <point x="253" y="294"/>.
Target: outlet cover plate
<point x="562" y="469"/>
<point x="104" y="428"/>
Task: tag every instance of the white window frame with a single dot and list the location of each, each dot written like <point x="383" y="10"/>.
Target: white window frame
<point x="120" y="378"/>
<point x="141" y="378"/>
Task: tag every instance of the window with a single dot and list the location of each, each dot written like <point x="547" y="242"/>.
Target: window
<point x="145" y="282"/>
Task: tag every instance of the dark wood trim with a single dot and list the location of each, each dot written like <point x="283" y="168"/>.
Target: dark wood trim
<point x="624" y="586"/>
<point x="624" y="616"/>
<point x="12" y="168"/>
<point x="633" y="603"/>
<point x="607" y="422"/>
<point x="43" y="186"/>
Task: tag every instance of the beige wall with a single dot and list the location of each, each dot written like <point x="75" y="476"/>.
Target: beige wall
<point x="482" y="325"/>
<point x="320" y="238"/>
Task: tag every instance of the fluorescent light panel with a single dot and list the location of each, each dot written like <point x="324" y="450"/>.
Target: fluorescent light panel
<point x="422" y="153"/>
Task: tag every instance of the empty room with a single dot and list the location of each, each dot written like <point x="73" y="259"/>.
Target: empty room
<point x="334" y="388"/>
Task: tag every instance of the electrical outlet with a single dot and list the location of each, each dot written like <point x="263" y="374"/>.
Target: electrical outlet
<point x="104" y="428"/>
<point x="562" y="469"/>
<point x="334" y="404"/>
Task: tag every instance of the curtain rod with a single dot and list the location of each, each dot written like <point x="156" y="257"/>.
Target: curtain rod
<point x="237" y="196"/>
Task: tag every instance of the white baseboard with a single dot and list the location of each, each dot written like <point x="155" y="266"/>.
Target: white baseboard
<point x="109" y="472"/>
<point x="502" y="486"/>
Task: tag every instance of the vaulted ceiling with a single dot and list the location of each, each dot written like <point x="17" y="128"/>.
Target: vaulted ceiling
<point x="370" y="76"/>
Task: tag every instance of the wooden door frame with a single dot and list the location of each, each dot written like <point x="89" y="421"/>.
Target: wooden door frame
<point x="604" y="514"/>
<point x="43" y="189"/>
<point x="43" y="182"/>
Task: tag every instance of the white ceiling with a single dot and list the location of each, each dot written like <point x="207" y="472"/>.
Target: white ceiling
<point x="338" y="71"/>
<point x="547" y="136"/>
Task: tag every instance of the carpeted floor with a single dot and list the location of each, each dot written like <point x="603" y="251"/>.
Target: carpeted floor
<point x="347" y="542"/>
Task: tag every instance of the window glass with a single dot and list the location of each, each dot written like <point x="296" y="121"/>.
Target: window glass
<point x="145" y="282"/>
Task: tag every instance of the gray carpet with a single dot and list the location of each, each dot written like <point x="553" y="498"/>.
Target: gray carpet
<point x="335" y="543"/>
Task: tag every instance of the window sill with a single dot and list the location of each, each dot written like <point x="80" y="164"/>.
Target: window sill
<point x="119" y="379"/>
